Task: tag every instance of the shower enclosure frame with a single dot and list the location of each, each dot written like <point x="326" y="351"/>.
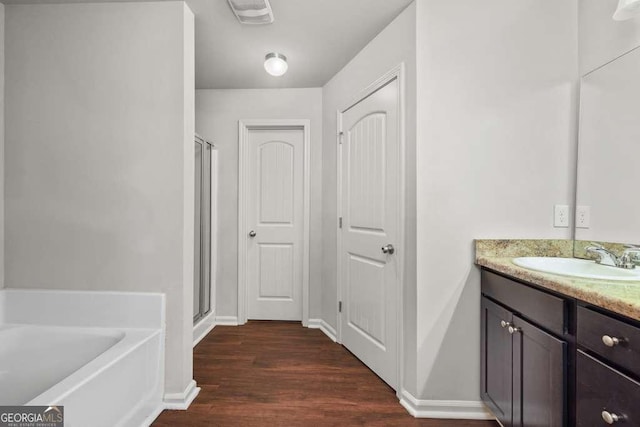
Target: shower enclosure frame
<point x="203" y="245"/>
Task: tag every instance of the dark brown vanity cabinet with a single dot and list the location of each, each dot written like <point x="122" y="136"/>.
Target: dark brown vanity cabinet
<point x="608" y="370"/>
<point x="605" y="396"/>
<point x="524" y="355"/>
<point x="497" y="361"/>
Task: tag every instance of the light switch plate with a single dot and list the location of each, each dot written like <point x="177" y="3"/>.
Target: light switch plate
<point x="583" y="216"/>
<point x="561" y="216"/>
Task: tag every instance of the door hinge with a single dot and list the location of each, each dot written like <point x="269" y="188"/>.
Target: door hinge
<point x="340" y="137"/>
<point x="339" y="306"/>
<point x="340" y="222"/>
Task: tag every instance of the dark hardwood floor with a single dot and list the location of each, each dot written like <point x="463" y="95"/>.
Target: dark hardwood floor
<point x="281" y="374"/>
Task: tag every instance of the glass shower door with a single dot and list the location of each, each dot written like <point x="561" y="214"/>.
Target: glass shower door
<point x="202" y="232"/>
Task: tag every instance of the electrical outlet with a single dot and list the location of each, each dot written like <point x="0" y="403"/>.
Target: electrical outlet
<point x="583" y="216"/>
<point x="561" y="216"/>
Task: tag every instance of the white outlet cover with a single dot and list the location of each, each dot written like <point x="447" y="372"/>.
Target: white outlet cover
<point x="583" y="216"/>
<point x="561" y="216"/>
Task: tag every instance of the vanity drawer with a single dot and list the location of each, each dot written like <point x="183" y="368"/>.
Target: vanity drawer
<point x="544" y="309"/>
<point x="601" y="388"/>
<point x="595" y="328"/>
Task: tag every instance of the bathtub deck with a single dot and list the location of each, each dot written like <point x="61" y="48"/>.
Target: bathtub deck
<point x="281" y="374"/>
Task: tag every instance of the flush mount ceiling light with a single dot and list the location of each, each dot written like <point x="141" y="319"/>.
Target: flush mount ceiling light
<point x="252" y="11"/>
<point x="275" y="64"/>
<point x="627" y="9"/>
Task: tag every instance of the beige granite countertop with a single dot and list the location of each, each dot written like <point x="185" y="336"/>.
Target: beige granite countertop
<point x="620" y="297"/>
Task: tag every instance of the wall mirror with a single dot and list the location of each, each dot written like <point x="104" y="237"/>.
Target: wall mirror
<point x="608" y="170"/>
<point x="609" y="128"/>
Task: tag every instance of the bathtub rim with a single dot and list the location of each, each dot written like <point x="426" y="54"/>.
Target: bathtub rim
<point x="132" y="340"/>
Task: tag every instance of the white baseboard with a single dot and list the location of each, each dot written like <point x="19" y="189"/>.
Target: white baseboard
<point x="227" y="320"/>
<point x="181" y="401"/>
<point x="449" y="409"/>
<point x="324" y="327"/>
<point x="203" y="327"/>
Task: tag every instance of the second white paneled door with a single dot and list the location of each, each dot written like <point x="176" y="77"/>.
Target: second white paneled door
<point x="370" y="211"/>
<point x="275" y="223"/>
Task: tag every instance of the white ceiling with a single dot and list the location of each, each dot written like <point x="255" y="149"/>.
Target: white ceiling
<point x="319" y="37"/>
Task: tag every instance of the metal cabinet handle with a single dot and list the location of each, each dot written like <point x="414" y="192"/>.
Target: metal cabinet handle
<point x="514" y="329"/>
<point x="610" y="341"/>
<point x="504" y="323"/>
<point x="252" y="233"/>
<point x="610" y="417"/>
<point x="388" y="249"/>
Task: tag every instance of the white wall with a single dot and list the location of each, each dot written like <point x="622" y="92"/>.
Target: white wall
<point x="601" y="38"/>
<point x="217" y="115"/>
<point x="99" y="146"/>
<point x="394" y="45"/>
<point x="2" y="25"/>
<point x="496" y="143"/>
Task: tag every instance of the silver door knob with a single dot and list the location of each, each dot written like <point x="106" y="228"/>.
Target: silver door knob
<point x="514" y="329"/>
<point x="388" y="249"/>
<point x="610" y="417"/>
<point x="504" y="323"/>
<point x="252" y="233"/>
<point x="610" y="341"/>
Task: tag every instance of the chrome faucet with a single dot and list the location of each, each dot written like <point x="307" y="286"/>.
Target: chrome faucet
<point x="605" y="257"/>
<point x="628" y="259"/>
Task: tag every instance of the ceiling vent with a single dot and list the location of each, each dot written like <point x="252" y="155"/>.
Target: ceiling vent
<point x="252" y="11"/>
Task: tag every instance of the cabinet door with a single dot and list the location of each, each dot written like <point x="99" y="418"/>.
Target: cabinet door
<point x="539" y="377"/>
<point x="497" y="361"/>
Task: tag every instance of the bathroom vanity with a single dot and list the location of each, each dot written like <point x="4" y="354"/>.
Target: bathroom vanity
<point x="558" y="351"/>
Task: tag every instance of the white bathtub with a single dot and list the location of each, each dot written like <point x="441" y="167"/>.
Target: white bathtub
<point x="104" y="376"/>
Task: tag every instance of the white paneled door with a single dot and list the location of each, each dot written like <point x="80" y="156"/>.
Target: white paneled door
<point x="275" y="223"/>
<point x="370" y="208"/>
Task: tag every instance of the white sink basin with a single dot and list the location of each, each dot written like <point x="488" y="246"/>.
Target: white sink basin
<point x="577" y="268"/>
